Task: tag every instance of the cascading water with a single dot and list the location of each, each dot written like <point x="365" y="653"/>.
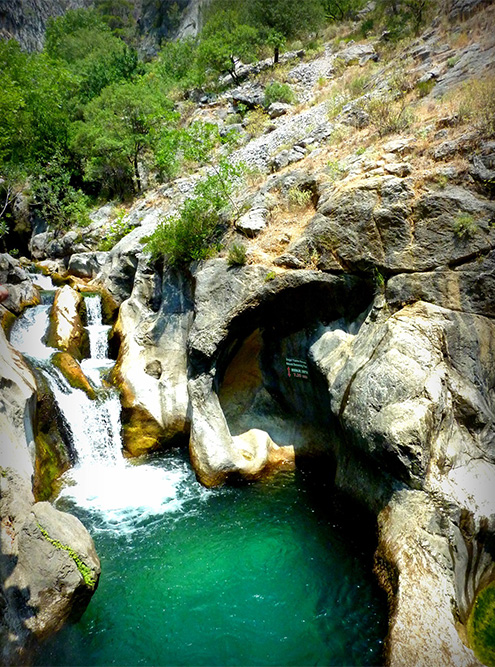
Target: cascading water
<point x="258" y="575"/>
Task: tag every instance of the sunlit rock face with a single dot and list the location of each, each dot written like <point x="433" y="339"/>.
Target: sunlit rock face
<point x="26" y="20"/>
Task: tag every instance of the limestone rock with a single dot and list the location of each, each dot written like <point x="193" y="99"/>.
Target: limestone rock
<point x="17" y="405"/>
<point x="86" y="264"/>
<point x="72" y="372"/>
<point x="422" y="628"/>
<point x="66" y="331"/>
<point x="253" y="222"/>
<point x="52" y="573"/>
<point x="151" y="369"/>
<point x="22" y="292"/>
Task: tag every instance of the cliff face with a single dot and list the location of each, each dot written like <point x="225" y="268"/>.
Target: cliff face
<point x="26" y="20"/>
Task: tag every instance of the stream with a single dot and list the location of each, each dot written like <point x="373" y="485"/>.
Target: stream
<point x="262" y="574"/>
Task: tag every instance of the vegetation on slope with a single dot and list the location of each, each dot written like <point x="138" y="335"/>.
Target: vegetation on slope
<point x="86" y="120"/>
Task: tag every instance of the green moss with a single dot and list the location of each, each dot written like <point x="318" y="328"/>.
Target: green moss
<point x="481" y="626"/>
<point x="87" y="575"/>
<point x="7" y="319"/>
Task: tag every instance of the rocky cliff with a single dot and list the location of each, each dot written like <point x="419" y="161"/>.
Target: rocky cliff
<point x="26" y="20"/>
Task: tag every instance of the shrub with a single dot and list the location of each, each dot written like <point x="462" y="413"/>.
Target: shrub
<point x="193" y="233"/>
<point x="278" y="92"/>
<point x="299" y="198"/>
<point x="387" y="114"/>
<point x="256" y="121"/>
<point x="424" y="88"/>
<point x="119" y="228"/>
<point x="481" y="625"/>
<point x="465" y="226"/>
<point x="237" y="255"/>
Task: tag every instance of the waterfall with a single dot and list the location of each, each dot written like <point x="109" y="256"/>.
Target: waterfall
<point x="102" y="480"/>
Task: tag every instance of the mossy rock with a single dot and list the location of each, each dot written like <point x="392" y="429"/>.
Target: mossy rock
<point x="7" y="319"/>
<point x="73" y="373"/>
<point x="66" y="331"/>
<point x="141" y="432"/>
<point x="52" y="456"/>
<point x="481" y="626"/>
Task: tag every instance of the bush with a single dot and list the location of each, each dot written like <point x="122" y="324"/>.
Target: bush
<point x="465" y="226"/>
<point x="237" y="255"/>
<point x="257" y="121"/>
<point x="119" y="228"/>
<point x="194" y="232"/>
<point x="299" y="198"/>
<point x="387" y="114"/>
<point x="279" y="92"/>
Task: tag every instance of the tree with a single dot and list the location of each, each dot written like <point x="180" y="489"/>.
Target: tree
<point x="225" y="40"/>
<point x="279" y="20"/>
<point x="119" y="130"/>
<point x="83" y="41"/>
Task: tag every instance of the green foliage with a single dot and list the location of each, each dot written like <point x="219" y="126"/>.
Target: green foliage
<point x="299" y="198"/>
<point x="279" y="92"/>
<point x="334" y="169"/>
<point x="55" y="196"/>
<point x="465" y="226"/>
<point x="224" y="40"/>
<point x="84" y="42"/>
<point x="271" y="275"/>
<point x="424" y="88"/>
<point x="192" y="233"/>
<point x="257" y="121"/>
<point x="237" y="255"/>
<point x="119" y="228"/>
<point x="119" y="130"/>
<point x="85" y="571"/>
<point x="481" y="626"/>
<point x="177" y="64"/>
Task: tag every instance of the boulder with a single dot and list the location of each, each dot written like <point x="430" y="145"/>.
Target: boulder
<point x="66" y="331"/>
<point x="49" y="574"/>
<point x="86" y="264"/>
<point x="20" y="287"/>
<point x="253" y="222"/>
<point x="151" y="369"/>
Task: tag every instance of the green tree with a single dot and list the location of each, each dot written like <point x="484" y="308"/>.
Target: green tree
<point x="119" y="130"/>
<point x="225" y="40"/>
<point x="280" y="20"/>
<point x="85" y="43"/>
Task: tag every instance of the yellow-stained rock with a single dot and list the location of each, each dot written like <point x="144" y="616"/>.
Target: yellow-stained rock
<point x="73" y="373"/>
<point x="66" y="331"/>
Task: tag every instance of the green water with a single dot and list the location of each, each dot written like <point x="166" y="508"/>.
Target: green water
<point x="257" y="575"/>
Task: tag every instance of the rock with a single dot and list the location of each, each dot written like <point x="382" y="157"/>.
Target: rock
<point x="253" y="222"/>
<point x="151" y="369"/>
<point x="286" y="157"/>
<point x="53" y="577"/>
<point x="482" y="171"/>
<point x="72" y="372"/>
<point x="86" y="264"/>
<point x="249" y="95"/>
<point x="277" y="109"/>
<point x="468" y="287"/>
<point x="354" y="115"/>
<point x="66" y="331"/>
<point x="17" y="406"/>
<point x="369" y="224"/>
<point x="411" y="541"/>
<point x="22" y="292"/>
<point x="401" y="169"/>
<point x="354" y="54"/>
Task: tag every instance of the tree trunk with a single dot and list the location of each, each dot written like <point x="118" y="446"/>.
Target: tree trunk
<point x="276" y="52"/>
<point x="136" y="172"/>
